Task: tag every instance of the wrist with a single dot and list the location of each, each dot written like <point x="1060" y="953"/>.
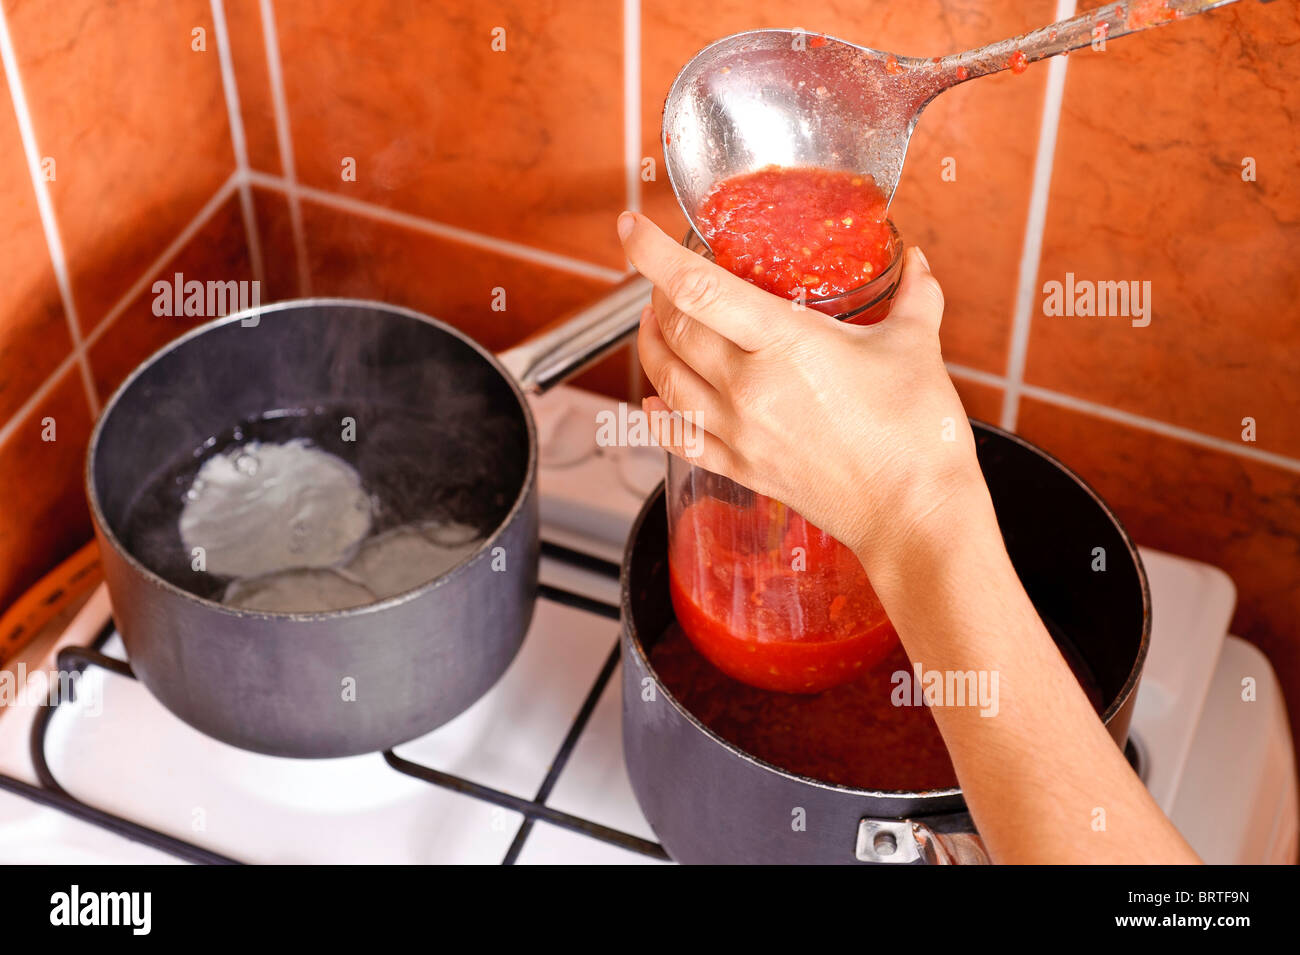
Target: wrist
<point x="917" y="534"/>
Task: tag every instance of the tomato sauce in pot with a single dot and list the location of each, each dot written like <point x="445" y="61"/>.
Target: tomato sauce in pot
<point x="850" y="735"/>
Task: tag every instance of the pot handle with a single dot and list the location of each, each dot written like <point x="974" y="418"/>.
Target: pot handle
<point x="940" y="840"/>
<point x="566" y="347"/>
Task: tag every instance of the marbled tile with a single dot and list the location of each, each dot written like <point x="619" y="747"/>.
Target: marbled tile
<point x="279" y="253"/>
<point x="523" y="144"/>
<point x="136" y="123"/>
<point x="1228" y="511"/>
<point x="217" y="253"/>
<point x="361" y="257"/>
<point x="34" y="335"/>
<point x="982" y="402"/>
<point x="1148" y="187"/>
<point x="44" y="518"/>
<point x="972" y="227"/>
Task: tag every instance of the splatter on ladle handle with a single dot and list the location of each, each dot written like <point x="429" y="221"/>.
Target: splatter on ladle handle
<point x="1102" y="24"/>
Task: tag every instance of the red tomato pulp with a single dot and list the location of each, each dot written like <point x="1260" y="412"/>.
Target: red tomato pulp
<point x="787" y="229"/>
<point x="765" y="596"/>
<point x="772" y="601"/>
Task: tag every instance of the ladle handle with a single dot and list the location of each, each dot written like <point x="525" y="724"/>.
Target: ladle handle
<point x="563" y="349"/>
<point x="1107" y="23"/>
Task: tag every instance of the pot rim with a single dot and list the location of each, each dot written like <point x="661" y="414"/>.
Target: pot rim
<point x="635" y="646"/>
<point x="1129" y="687"/>
<point x="107" y="533"/>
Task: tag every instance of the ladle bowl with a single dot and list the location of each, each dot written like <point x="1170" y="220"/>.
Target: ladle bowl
<point x="793" y="98"/>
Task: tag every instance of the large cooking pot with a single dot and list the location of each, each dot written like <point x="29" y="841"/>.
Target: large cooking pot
<point x="363" y="679"/>
<point x="710" y="802"/>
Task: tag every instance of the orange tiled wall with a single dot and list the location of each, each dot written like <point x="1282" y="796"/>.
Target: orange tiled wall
<point x="478" y="168"/>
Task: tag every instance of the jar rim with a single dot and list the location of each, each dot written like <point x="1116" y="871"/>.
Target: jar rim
<point x="880" y="287"/>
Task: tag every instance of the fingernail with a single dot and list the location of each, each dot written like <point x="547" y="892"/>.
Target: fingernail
<point x="626" y="223"/>
<point x="646" y="313"/>
<point x="921" y="255"/>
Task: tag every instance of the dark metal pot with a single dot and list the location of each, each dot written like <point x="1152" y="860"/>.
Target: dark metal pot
<point x="363" y="679"/>
<point x="710" y="802"/>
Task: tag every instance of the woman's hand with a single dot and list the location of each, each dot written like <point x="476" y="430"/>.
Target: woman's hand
<point x="858" y="428"/>
<point x="860" y="431"/>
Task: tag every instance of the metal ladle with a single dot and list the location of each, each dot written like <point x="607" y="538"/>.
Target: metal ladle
<point x="791" y="98"/>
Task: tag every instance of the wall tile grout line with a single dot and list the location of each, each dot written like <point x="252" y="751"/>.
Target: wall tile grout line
<point x="1136" y="421"/>
<point x="45" y="207"/>
<point x="442" y="230"/>
<point x="1035" y="225"/>
<point x="238" y="140"/>
<point x="284" y="137"/>
<point x="1059" y="399"/>
<point x="244" y="178"/>
<point x="174" y="248"/>
<point x="976" y="375"/>
<point x="36" y="399"/>
<point x="632" y="101"/>
<point x="632" y="79"/>
<point x="1161" y="428"/>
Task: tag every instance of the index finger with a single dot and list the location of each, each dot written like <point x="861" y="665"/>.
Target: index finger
<point x="706" y="292"/>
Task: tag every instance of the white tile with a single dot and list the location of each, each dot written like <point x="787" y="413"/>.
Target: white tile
<point x="258" y="808"/>
<point x="508" y="739"/>
<point x="265" y="809"/>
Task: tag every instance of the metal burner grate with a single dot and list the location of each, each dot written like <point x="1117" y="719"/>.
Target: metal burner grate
<point x="50" y="793"/>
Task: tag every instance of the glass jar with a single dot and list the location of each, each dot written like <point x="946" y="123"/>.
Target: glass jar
<point x="764" y="595"/>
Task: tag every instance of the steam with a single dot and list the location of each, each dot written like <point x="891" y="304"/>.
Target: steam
<point x="356" y="451"/>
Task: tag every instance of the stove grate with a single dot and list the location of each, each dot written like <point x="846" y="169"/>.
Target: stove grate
<point x="51" y="794"/>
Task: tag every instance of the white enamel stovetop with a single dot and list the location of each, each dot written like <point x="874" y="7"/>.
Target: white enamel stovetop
<point x="1221" y="767"/>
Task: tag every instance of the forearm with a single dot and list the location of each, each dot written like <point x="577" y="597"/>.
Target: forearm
<point x="1042" y="777"/>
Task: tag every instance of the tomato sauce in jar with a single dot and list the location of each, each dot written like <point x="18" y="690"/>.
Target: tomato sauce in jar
<point x="771" y="600"/>
<point x="799" y="229"/>
<point x="765" y="596"/>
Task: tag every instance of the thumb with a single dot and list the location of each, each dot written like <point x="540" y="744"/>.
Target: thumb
<point x="919" y="298"/>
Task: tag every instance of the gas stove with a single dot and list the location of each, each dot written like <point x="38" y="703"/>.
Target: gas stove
<point x="533" y="772"/>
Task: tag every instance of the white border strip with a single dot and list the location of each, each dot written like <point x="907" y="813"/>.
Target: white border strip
<point x="632" y="101"/>
<point x="1135" y="421"/>
<point x="1162" y="428"/>
<point x="976" y="375"/>
<point x="284" y="137"/>
<point x="516" y="250"/>
<point x="632" y="149"/>
<point x="1031" y="253"/>
<point x="238" y="140"/>
<point x="244" y="178"/>
<point x="1083" y="406"/>
<point x="49" y="224"/>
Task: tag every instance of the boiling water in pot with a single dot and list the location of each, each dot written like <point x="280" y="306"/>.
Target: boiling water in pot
<point x="321" y="509"/>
